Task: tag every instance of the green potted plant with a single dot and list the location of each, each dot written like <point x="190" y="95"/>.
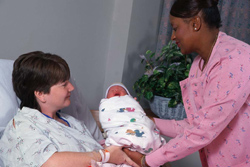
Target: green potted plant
<point x="160" y="82"/>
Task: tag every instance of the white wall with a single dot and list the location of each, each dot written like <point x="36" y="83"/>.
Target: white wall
<point x="77" y="30"/>
<point x="98" y="38"/>
<point x="118" y="42"/>
<point x="134" y="30"/>
<point x="143" y="33"/>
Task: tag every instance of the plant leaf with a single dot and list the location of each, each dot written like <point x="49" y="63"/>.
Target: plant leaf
<point x="148" y="95"/>
<point x="163" y="74"/>
<point x="148" y="52"/>
<point x="172" y="103"/>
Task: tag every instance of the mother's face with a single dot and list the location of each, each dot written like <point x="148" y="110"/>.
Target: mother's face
<point x="182" y="34"/>
<point x="58" y="97"/>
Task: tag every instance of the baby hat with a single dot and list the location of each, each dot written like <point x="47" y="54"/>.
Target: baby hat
<point x="116" y="84"/>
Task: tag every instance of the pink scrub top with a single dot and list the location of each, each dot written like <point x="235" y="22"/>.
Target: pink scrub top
<point x="217" y="104"/>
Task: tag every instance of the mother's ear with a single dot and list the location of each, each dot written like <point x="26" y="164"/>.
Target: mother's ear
<point x="40" y="96"/>
<point x="196" y="22"/>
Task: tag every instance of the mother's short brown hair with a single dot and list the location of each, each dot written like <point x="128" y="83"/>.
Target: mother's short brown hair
<point x="37" y="71"/>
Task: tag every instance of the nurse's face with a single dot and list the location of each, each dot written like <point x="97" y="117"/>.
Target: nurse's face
<point x="182" y="34"/>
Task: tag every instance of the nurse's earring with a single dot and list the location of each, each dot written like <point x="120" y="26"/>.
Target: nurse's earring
<point x="196" y="23"/>
<point x="195" y="27"/>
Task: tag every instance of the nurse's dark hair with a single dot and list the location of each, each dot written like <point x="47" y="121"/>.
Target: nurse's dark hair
<point x="37" y="71"/>
<point x="190" y="8"/>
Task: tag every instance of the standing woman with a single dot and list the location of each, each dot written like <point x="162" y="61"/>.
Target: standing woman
<point x="215" y="95"/>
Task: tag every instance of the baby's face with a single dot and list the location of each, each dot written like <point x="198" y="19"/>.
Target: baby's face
<point x="116" y="91"/>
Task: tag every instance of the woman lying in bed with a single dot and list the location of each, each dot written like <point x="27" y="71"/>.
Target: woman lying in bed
<point x="41" y="136"/>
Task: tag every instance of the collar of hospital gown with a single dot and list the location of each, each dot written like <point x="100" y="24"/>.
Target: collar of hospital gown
<point x="36" y="137"/>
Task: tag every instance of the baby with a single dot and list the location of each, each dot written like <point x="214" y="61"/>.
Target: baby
<point x="126" y="123"/>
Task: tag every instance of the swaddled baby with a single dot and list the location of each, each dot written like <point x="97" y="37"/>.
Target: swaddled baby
<point x="126" y="123"/>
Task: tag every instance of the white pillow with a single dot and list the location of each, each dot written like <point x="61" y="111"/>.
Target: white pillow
<point x="8" y="98"/>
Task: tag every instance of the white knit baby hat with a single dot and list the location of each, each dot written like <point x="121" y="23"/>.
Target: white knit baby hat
<point x="116" y="84"/>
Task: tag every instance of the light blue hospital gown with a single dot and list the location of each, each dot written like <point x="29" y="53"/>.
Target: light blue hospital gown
<point x="36" y="137"/>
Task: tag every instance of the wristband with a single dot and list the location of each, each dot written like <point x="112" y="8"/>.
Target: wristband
<point x="105" y="156"/>
<point x="102" y="155"/>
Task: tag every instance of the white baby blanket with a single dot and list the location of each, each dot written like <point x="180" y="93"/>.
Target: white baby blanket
<point x="126" y="124"/>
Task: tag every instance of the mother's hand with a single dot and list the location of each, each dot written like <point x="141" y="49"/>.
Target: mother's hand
<point x="135" y="156"/>
<point x="118" y="156"/>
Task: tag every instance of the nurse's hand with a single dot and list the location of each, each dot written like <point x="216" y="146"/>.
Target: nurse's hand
<point x="118" y="156"/>
<point x="135" y="156"/>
